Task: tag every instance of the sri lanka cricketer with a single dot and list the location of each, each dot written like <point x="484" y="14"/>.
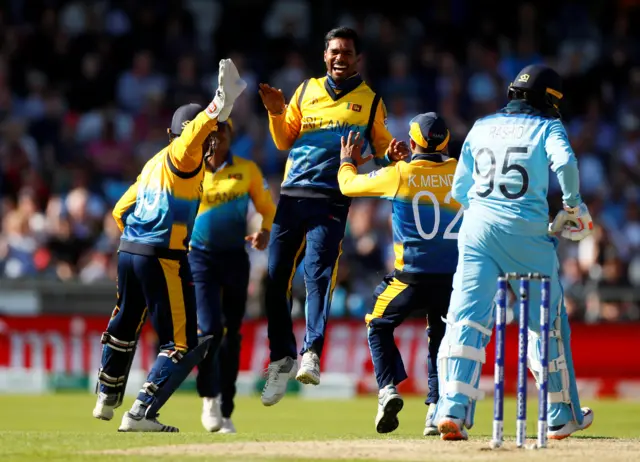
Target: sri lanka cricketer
<point x="425" y="225"/>
<point x="312" y="212"/>
<point x="220" y="267"/>
<point x="156" y="216"/>
<point x="502" y="181"/>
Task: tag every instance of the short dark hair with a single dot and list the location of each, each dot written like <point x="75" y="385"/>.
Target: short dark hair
<point x="343" y="33"/>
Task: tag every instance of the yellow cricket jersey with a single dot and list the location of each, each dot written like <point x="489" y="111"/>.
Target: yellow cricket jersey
<point x="157" y="213"/>
<point x="222" y="217"/>
<point x="426" y="219"/>
<point x="318" y="115"/>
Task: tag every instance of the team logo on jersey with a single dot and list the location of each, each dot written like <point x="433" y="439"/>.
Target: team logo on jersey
<point x="374" y="173"/>
<point x="185" y="123"/>
<point x="235" y="176"/>
<point x="354" y="107"/>
<point x="523" y="78"/>
<point x="313" y="101"/>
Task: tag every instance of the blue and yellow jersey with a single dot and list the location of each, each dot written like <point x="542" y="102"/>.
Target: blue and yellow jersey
<point x="222" y="217"/>
<point x="157" y="213"/>
<point x="426" y="219"/>
<point x="317" y="116"/>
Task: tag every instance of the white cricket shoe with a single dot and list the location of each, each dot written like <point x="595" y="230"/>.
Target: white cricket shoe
<point x="390" y="403"/>
<point x="561" y="432"/>
<point x="227" y="426"/>
<point x="211" y="414"/>
<point x="309" y="372"/>
<point x="105" y="406"/>
<point x="132" y="423"/>
<point x="278" y="374"/>
<point x="452" y="429"/>
<point x="430" y="427"/>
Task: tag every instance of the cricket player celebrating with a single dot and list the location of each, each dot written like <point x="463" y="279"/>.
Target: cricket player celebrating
<point x="502" y="182"/>
<point x="425" y="232"/>
<point x="312" y="212"/>
<point x="220" y="267"/>
<point x="156" y="216"/>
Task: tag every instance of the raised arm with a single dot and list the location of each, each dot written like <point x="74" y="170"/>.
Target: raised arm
<point x="284" y="120"/>
<point x="185" y="151"/>
<point x="385" y="153"/>
<point x="379" y="183"/>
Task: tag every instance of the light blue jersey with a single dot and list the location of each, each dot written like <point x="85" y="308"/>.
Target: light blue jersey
<point x="502" y="179"/>
<point x="503" y="172"/>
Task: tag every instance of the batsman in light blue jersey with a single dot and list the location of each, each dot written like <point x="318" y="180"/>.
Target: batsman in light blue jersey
<point x="502" y="182"/>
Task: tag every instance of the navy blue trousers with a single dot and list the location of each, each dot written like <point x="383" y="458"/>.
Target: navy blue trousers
<point x="161" y="289"/>
<point x="393" y="301"/>
<point x="309" y="229"/>
<point x="221" y="281"/>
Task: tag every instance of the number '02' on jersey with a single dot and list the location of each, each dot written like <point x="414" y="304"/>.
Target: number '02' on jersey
<point x="426" y="218"/>
<point x="503" y="175"/>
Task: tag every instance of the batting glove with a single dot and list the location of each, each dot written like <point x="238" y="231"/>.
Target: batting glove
<point x="573" y="223"/>
<point x="230" y="86"/>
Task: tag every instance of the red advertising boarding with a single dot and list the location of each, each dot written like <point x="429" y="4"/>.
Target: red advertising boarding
<point x="605" y="355"/>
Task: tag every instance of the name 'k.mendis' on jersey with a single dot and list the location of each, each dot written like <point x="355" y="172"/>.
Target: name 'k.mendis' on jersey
<point x="426" y="219"/>
<point x="317" y="117"/>
<point x="503" y="174"/>
<point x="221" y="224"/>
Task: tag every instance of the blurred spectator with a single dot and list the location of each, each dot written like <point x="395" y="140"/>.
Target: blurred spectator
<point x="87" y="90"/>
<point x="135" y="84"/>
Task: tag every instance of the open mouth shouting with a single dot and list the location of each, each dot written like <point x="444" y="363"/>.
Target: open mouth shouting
<point x="340" y="69"/>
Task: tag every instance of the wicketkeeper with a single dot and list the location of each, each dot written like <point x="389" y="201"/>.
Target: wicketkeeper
<point x="156" y="217"/>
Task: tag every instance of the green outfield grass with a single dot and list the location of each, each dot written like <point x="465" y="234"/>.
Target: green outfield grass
<point x="60" y="427"/>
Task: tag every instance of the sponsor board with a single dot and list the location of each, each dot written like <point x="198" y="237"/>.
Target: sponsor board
<point x="43" y="353"/>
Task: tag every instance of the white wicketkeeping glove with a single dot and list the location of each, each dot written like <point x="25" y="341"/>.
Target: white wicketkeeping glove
<point x="573" y="223"/>
<point x="230" y="86"/>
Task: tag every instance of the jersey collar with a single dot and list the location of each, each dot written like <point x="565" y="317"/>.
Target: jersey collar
<point x="343" y="88"/>
<point x="227" y="162"/>
<point x="431" y="157"/>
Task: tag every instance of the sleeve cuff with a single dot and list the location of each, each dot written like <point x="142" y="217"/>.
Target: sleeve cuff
<point x="383" y="161"/>
<point x="348" y="160"/>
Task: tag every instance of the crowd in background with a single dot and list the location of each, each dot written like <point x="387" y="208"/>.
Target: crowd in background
<point x="87" y="90"/>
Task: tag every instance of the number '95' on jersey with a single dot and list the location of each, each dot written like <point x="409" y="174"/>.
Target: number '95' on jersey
<point x="503" y="174"/>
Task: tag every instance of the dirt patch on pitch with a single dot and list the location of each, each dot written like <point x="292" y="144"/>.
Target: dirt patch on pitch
<point x="581" y="449"/>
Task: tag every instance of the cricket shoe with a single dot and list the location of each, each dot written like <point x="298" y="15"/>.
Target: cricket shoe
<point x="227" y="427"/>
<point x="309" y="372"/>
<point x="105" y="406"/>
<point x="390" y="403"/>
<point x="560" y="432"/>
<point x="278" y="374"/>
<point x="430" y="427"/>
<point x="133" y="423"/>
<point x="211" y="414"/>
<point x="452" y="429"/>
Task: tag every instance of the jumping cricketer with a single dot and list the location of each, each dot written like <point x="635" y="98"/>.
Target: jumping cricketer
<point x="156" y="216"/>
<point x="502" y="182"/>
<point x="220" y="267"/>
<point x="425" y="225"/>
<point x="312" y="212"/>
